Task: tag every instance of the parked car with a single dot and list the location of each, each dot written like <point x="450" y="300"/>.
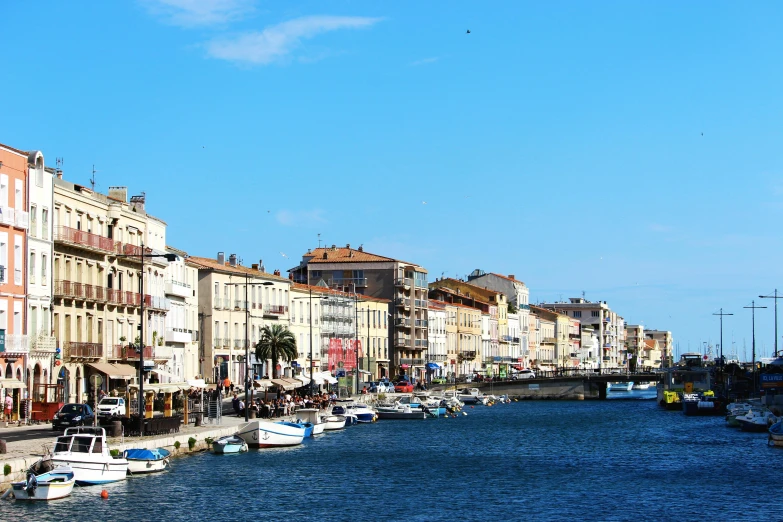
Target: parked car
<point x="438" y="380"/>
<point x="385" y="387"/>
<point x="403" y="387"/>
<point x="525" y="374"/>
<point x="73" y="415"/>
<point x="111" y="407"/>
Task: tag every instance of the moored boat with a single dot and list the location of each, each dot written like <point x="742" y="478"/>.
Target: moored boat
<point x="146" y="460"/>
<point x="333" y="422"/>
<point x="85" y="451"/>
<point x="776" y="434"/>
<point x="756" y="420"/>
<point x="470" y="396"/>
<point x="399" y="412"/>
<point x="265" y="434"/>
<point x="229" y="444"/>
<point x="311" y="415"/>
<point x="307" y="426"/>
<point x="51" y="485"/>
<point x="689" y="376"/>
<point x="620" y="386"/>
<point x="702" y="404"/>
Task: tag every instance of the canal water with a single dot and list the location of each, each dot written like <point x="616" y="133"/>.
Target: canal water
<point x="541" y="460"/>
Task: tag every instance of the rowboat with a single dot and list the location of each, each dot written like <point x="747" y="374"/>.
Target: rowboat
<point x="51" y="485"/>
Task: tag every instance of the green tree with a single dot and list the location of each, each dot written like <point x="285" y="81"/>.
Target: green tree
<point x="277" y="342"/>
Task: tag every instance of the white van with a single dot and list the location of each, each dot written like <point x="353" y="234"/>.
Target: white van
<point x="111" y="407"/>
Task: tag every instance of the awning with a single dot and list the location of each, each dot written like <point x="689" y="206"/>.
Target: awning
<point x="165" y="374"/>
<point x="170" y="387"/>
<point x="283" y="384"/>
<point x="365" y="371"/>
<point x="317" y="377"/>
<point x="11" y="384"/>
<point x="405" y="366"/>
<point x="433" y="366"/>
<point x="328" y="378"/>
<point x="197" y="383"/>
<point x="305" y="380"/>
<point x="263" y="383"/>
<point x="115" y="371"/>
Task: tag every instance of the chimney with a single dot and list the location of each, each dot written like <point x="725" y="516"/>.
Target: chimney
<point x="361" y="248"/>
<point x="137" y="202"/>
<point x="119" y="193"/>
<point x="511" y="276"/>
<point x="58" y="173"/>
<point x="277" y="272"/>
<point x="232" y="260"/>
<point x="254" y="266"/>
<point x="347" y="245"/>
<point x="221" y="258"/>
<point x="291" y="276"/>
<point x="326" y="256"/>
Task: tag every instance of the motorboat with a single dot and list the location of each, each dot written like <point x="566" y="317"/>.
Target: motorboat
<point x="642" y="385"/>
<point x="470" y="396"/>
<point x="776" y="434"/>
<point x="265" y="434"/>
<point x="50" y="485"/>
<point x="308" y="426"/>
<point x="756" y="420"/>
<point x="620" y="386"/>
<point x="229" y="444"/>
<point x="85" y="451"/>
<point x="705" y="403"/>
<point x="146" y="460"/>
<point x="688" y="376"/>
<point x="311" y="416"/>
<point x="333" y="422"/>
<point x="400" y="412"/>
<point x="734" y="410"/>
<point x="363" y="413"/>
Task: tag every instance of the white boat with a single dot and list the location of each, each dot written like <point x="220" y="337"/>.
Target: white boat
<point x="333" y="422"/>
<point x="642" y="385"/>
<point x="54" y="484"/>
<point x="756" y="420"/>
<point x="400" y="412"/>
<point x="312" y="416"/>
<point x="146" y="461"/>
<point x="470" y="396"/>
<point x="734" y="410"/>
<point x="229" y="444"/>
<point x="85" y="451"/>
<point x="363" y="413"/>
<point x="620" y="386"/>
<point x="265" y="434"/>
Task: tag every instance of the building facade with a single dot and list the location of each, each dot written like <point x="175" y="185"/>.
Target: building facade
<point x="181" y="333"/>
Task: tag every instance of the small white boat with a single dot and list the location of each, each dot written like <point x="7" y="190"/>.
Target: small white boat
<point x="265" y="434"/>
<point x="146" y="461"/>
<point x="85" y="451"/>
<point x="620" y="386"/>
<point x="400" y="412"/>
<point x="470" y="396"/>
<point x="229" y="444"/>
<point x="54" y="484"/>
<point x="756" y="420"/>
<point x="734" y="410"/>
<point x="311" y="415"/>
<point x="642" y="385"/>
<point x="333" y="422"/>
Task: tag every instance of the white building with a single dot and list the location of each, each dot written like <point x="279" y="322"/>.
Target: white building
<point x="181" y="323"/>
<point x="437" y="350"/>
<point x="39" y="269"/>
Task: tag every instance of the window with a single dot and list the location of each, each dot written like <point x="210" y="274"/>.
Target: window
<point x="594" y="313"/>
<point x="18" y="260"/>
<point x="31" y="268"/>
<point x="293" y="312"/>
<point x="45" y="223"/>
<point x="33" y="220"/>
<point x="577" y="314"/>
<point x="4" y="189"/>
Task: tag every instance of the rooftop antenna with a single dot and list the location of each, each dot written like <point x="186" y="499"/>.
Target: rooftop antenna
<point x="92" y="179"/>
<point x="319" y="240"/>
<point x="583" y="294"/>
<point x="58" y="162"/>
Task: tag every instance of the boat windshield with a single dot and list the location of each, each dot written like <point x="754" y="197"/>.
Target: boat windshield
<point x="81" y="444"/>
<point x="62" y="444"/>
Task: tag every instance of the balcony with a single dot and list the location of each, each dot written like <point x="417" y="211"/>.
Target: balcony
<point x="358" y="282"/>
<point x="402" y="302"/>
<point x="132" y="251"/>
<point x="402" y="342"/>
<point x="421" y="323"/>
<point x="467" y="356"/>
<point x="239" y="304"/>
<point x="403" y="282"/>
<point x="275" y="310"/>
<point x="239" y="343"/>
<point x="79" y="350"/>
<point x="178" y="335"/>
<point x="16" y="343"/>
<point x="412" y="362"/>
<point x="178" y="289"/>
<point x="43" y="343"/>
<point x="22" y="219"/>
<point x="127" y="352"/>
<point x="421" y="343"/>
<point x="7" y="215"/>
<point x="548" y="340"/>
<point x="421" y="303"/>
<point x="85" y="240"/>
<point x="402" y="322"/>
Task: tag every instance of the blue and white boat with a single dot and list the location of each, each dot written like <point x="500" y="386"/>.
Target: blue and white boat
<point x="146" y="460"/>
<point x="311" y="416"/>
<point x="363" y="413"/>
<point x="308" y="426"/>
<point x="229" y="444"/>
<point x="54" y="484"/>
<point x="265" y="434"/>
<point x="86" y="452"/>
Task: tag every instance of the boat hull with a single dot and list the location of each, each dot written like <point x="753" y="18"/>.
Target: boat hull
<point x="334" y="423"/>
<point x="93" y="472"/>
<point x="753" y="426"/>
<point x="401" y="415"/>
<point x="139" y="467"/>
<point x="260" y="434"/>
<point x="228" y="449"/>
<point x="51" y="486"/>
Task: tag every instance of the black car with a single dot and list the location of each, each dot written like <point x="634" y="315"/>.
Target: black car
<point x="73" y="415"/>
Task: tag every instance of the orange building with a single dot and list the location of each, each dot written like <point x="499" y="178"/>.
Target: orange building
<point x="13" y="272"/>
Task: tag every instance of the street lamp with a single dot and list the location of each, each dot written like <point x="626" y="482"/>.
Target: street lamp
<point x="310" y="298"/>
<point x="247" y="335"/>
<point x="142" y="255"/>
<point x="775" y="296"/>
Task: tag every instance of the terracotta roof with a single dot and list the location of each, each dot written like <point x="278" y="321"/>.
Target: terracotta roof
<point x="650" y="343"/>
<point x="13" y="149"/>
<point x="212" y="264"/>
<point x="507" y="278"/>
<point x="329" y="291"/>
<point x="348" y="255"/>
<point x="450" y="291"/>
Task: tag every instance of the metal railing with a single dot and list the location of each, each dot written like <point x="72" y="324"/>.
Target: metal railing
<point x="423" y="343"/>
<point x="240" y="303"/>
<point x="422" y="323"/>
<point x="402" y="281"/>
<point x="76" y="350"/>
<point x="359" y="282"/>
<point x="130" y="353"/>
<point x="86" y="239"/>
<point x="275" y="309"/>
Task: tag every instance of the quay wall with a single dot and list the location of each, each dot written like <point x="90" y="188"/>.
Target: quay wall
<point x="554" y="389"/>
<point x="20" y="465"/>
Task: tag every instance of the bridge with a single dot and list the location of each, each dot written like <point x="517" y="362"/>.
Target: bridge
<point x="570" y="387"/>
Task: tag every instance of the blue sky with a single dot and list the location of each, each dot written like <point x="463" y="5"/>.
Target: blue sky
<point x="630" y="150"/>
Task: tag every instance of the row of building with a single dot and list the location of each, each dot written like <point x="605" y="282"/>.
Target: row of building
<point x="91" y="288"/>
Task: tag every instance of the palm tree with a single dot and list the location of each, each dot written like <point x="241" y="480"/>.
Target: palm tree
<point x="277" y="342"/>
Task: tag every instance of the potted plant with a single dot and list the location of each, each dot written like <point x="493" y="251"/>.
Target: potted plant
<point x="123" y="347"/>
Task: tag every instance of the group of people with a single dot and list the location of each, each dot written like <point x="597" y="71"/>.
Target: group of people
<point x="282" y="405"/>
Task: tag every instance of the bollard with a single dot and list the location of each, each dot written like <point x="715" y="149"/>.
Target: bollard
<point x="2" y="446"/>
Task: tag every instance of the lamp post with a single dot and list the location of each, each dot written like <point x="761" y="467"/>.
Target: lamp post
<point x="721" y="314"/>
<point x="247" y="335"/>
<point x="774" y="296"/>
<point x="356" y="337"/>
<point x="753" y="308"/>
<point x="142" y="255"/>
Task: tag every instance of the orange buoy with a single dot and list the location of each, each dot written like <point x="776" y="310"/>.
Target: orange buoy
<point x="104" y="494"/>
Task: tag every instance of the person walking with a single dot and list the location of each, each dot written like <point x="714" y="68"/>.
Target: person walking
<point x="9" y="406"/>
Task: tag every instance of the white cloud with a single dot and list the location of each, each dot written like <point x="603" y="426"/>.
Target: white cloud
<point x="424" y="61"/>
<point x="295" y="218"/>
<point x="657" y="227"/>
<point x="190" y="13"/>
<point x="277" y="41"/>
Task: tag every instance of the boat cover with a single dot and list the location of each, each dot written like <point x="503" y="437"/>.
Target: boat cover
<point x="146" y="454"/>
